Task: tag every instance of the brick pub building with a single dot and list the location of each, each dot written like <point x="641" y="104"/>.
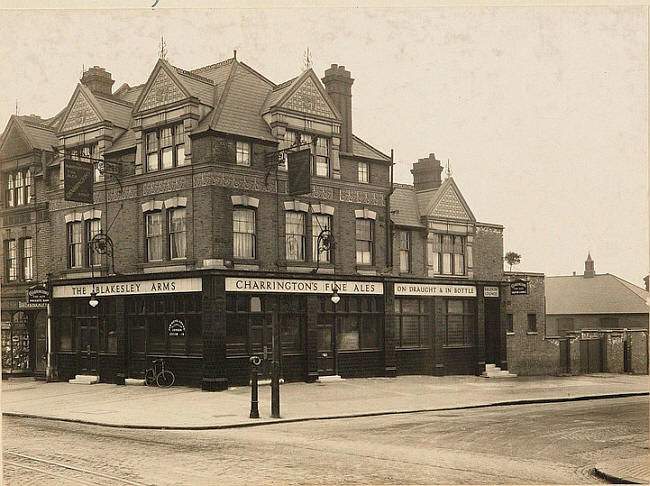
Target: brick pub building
<point x="207" y="241"/>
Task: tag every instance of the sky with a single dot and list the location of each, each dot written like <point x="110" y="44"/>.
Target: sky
<point x="542" y="112"/>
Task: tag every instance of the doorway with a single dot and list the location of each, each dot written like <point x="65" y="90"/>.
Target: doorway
<point x="325" y="345"/>
<point x="88" y="344"/>
<point x="492" y="332"/>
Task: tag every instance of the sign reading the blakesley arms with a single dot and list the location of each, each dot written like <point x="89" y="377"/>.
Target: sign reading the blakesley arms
<point x="235" y="284"/>
<point x="437" y="290"/>
<point x="173" y="285"/>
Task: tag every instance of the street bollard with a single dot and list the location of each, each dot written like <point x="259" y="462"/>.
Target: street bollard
<point x="255" y="362"/>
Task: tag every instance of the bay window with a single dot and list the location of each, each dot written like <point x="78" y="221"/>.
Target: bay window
<point x="165" y="147"/>
<point x="446" y="254"/>
<point x="243" y="221"/>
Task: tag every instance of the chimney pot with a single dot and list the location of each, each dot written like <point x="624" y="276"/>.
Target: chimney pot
<point x="427" y="173"/>
<point x="98" y="80"/>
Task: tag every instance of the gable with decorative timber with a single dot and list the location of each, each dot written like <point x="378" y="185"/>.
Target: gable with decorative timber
<point x="81" y="114"/>
<point x="450" y="206"/>
<point x="308" y="99"/>
<point x="163" y="90"/>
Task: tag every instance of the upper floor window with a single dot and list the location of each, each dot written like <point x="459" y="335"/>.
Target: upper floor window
<point x="93" y="228"/>
<point x="319" y="146"/>
<point x="154" y="236"/>
<point x="26" y="253"/>
<point x="363" y="172"/>
<point x="405" y="251"/>
<point x="446" y="254"/>
<point x="75" y="244"/>
<point x="532" y="322"/>
<point x="243" y="153"/>
<point x="88" y="153"/>
<point x="320" y="222"/>
<point x="177" y="233"/>
<point x="295" y="235"/>
<point x="322" y="157"/>
<point x="364" y="236"/>
<point x="165" y="147"/>
<point x="19" y="188"/>
<point x="243" y="229"/>
<point x="11" y="260"/>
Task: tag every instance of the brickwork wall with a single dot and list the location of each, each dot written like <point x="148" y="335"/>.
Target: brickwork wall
<point x="379" y="173"/>
<point x="639" y="352"/>
<point x="592" y="321"/>
<point x="613" y="359"/>
<point x="488" y="253"/>
<point x="418" y="252"/>
<point x="530" y="353"/>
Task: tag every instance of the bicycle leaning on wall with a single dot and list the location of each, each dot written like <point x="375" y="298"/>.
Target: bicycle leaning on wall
<point x="158" y="375"/>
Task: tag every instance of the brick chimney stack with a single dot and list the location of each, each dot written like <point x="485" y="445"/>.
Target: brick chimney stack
<point x="427" y="174"/>
<point x="589" y="267"/>
<point x="338" y="84"/>
<point x="98" y="80"/>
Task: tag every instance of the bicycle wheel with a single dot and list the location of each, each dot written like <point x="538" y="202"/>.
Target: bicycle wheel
<point x="165" y="379"/>
<point x="149" y="377"/>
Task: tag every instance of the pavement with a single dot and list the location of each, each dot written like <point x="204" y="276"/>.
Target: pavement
<point x="186" y="408"/>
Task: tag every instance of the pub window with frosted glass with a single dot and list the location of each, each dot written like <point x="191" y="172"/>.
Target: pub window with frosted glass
<point x="295" y="235"/>
<point x="177" y="233"/>
<point x="243" y="232"/>
<point x="249" y="323"/>
<point x="157" y="312"/>
<point x="458" y="316"/>
<point x="412" y="323"/>
<point x="364" y="241"/>
<point x="446" y="254"/>
<point x="319" y="223"/>
<point x="359" y="321"/>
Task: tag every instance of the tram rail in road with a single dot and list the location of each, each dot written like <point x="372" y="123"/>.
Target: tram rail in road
<point x="65" y="473"/>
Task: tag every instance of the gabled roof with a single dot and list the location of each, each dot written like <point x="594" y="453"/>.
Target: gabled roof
<point x="82" y="99"/>
<point x="184" y="84"/>
<point x="128" y="93"/>
<point x="283" y="97"/>
<point x="32" y="133"/>
<point x="404" y="207"/>
<point x="367" y="151"/>
<point x="601" y="294"/>
<point x="116" y="111"/>
<point x="448" y="202"/>
<point x="239" y="108"/>
<point x="124" y="142"/>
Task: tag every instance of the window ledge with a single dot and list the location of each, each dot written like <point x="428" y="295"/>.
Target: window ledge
<point x="510" y="333"/>
<point x="166" y="266"/>
<point x="457" y="346"/>
<point x="531" y="332"/>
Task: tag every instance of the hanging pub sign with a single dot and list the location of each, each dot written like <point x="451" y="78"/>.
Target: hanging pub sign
<point x="78" y="181"/>
<point x="298" y="164"/>
<point x="519" y="287"/>
<point x="38" y="294"/>
<point x="176" y="328"/>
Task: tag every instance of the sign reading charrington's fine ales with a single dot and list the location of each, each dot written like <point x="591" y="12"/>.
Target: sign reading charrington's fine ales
<point x="519" y="287"/>
<point x="436" y="290"/>
<point x="299" y="286"/>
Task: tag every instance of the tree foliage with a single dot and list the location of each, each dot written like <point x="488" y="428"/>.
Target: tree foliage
<point x="512" y="258"/>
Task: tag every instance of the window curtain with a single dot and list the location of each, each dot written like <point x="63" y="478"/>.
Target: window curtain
<point x="295" y="235"/>
<point x="177" y="233"/>
<point x="243" y="221"/>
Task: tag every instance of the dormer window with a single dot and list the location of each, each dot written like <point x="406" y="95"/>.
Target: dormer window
<point x="165" y="147"/>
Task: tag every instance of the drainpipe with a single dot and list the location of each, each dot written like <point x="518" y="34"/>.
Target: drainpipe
<point x="389" y="223"/>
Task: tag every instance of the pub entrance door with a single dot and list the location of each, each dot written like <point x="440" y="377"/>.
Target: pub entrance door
<point x="326" y="345"/>
<point x="88" y="344"/>
<point x="492" y="332"/>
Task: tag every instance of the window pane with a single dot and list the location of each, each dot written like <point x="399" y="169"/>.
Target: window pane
<point x="177" y="233"/>
<point x="156" y="342"/>
<point x="243" y="153"/>
<point x="364" y="241"/>
<point x="243" y="233"/>
<point x="410" y="332"/>
<point x="319" y="223"/>
<point x="459" y="264"/>
<point x="167" y="157"/>
<point x="348" y="335"/>
<point x="370" y="331"/>
<point x="27" y="259"/>
<point x="154" y="236"/>
<point x="93" y="228"/>
<point x="295" y="235"/>
<point x="12" y="264"/>
<point x="532" y="322"/>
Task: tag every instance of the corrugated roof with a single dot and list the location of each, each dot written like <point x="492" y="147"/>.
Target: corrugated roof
<point x="601" y="294"/>
<point x="364" y="149"/>
<point x="404" y="206"/>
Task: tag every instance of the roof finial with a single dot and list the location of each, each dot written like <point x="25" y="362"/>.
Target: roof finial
<point x="448" y="171"/>
<point x="16" y="106"/>
<point x="306" y="60"/>
<point x="234" y="54"/>
<point x="162" y="54"/>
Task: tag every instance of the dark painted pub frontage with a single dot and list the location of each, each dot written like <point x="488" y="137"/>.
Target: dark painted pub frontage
<point x="379" y="327"/>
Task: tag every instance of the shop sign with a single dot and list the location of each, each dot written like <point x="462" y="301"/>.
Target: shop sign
<point x="519" y="287"/>
<point x="38" y="294"/>
<point x="437" y="290"/>
<point x="176" y="328"/>
<point x="490" y="291"/>
<point x="29" y="305"/>
<point x="299" y="172"/>
<point x="167" y="286"/>
<point x="278" y="285"/>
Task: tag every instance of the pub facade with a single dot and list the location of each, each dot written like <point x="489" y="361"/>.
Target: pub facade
<point x="192" y="245"/>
